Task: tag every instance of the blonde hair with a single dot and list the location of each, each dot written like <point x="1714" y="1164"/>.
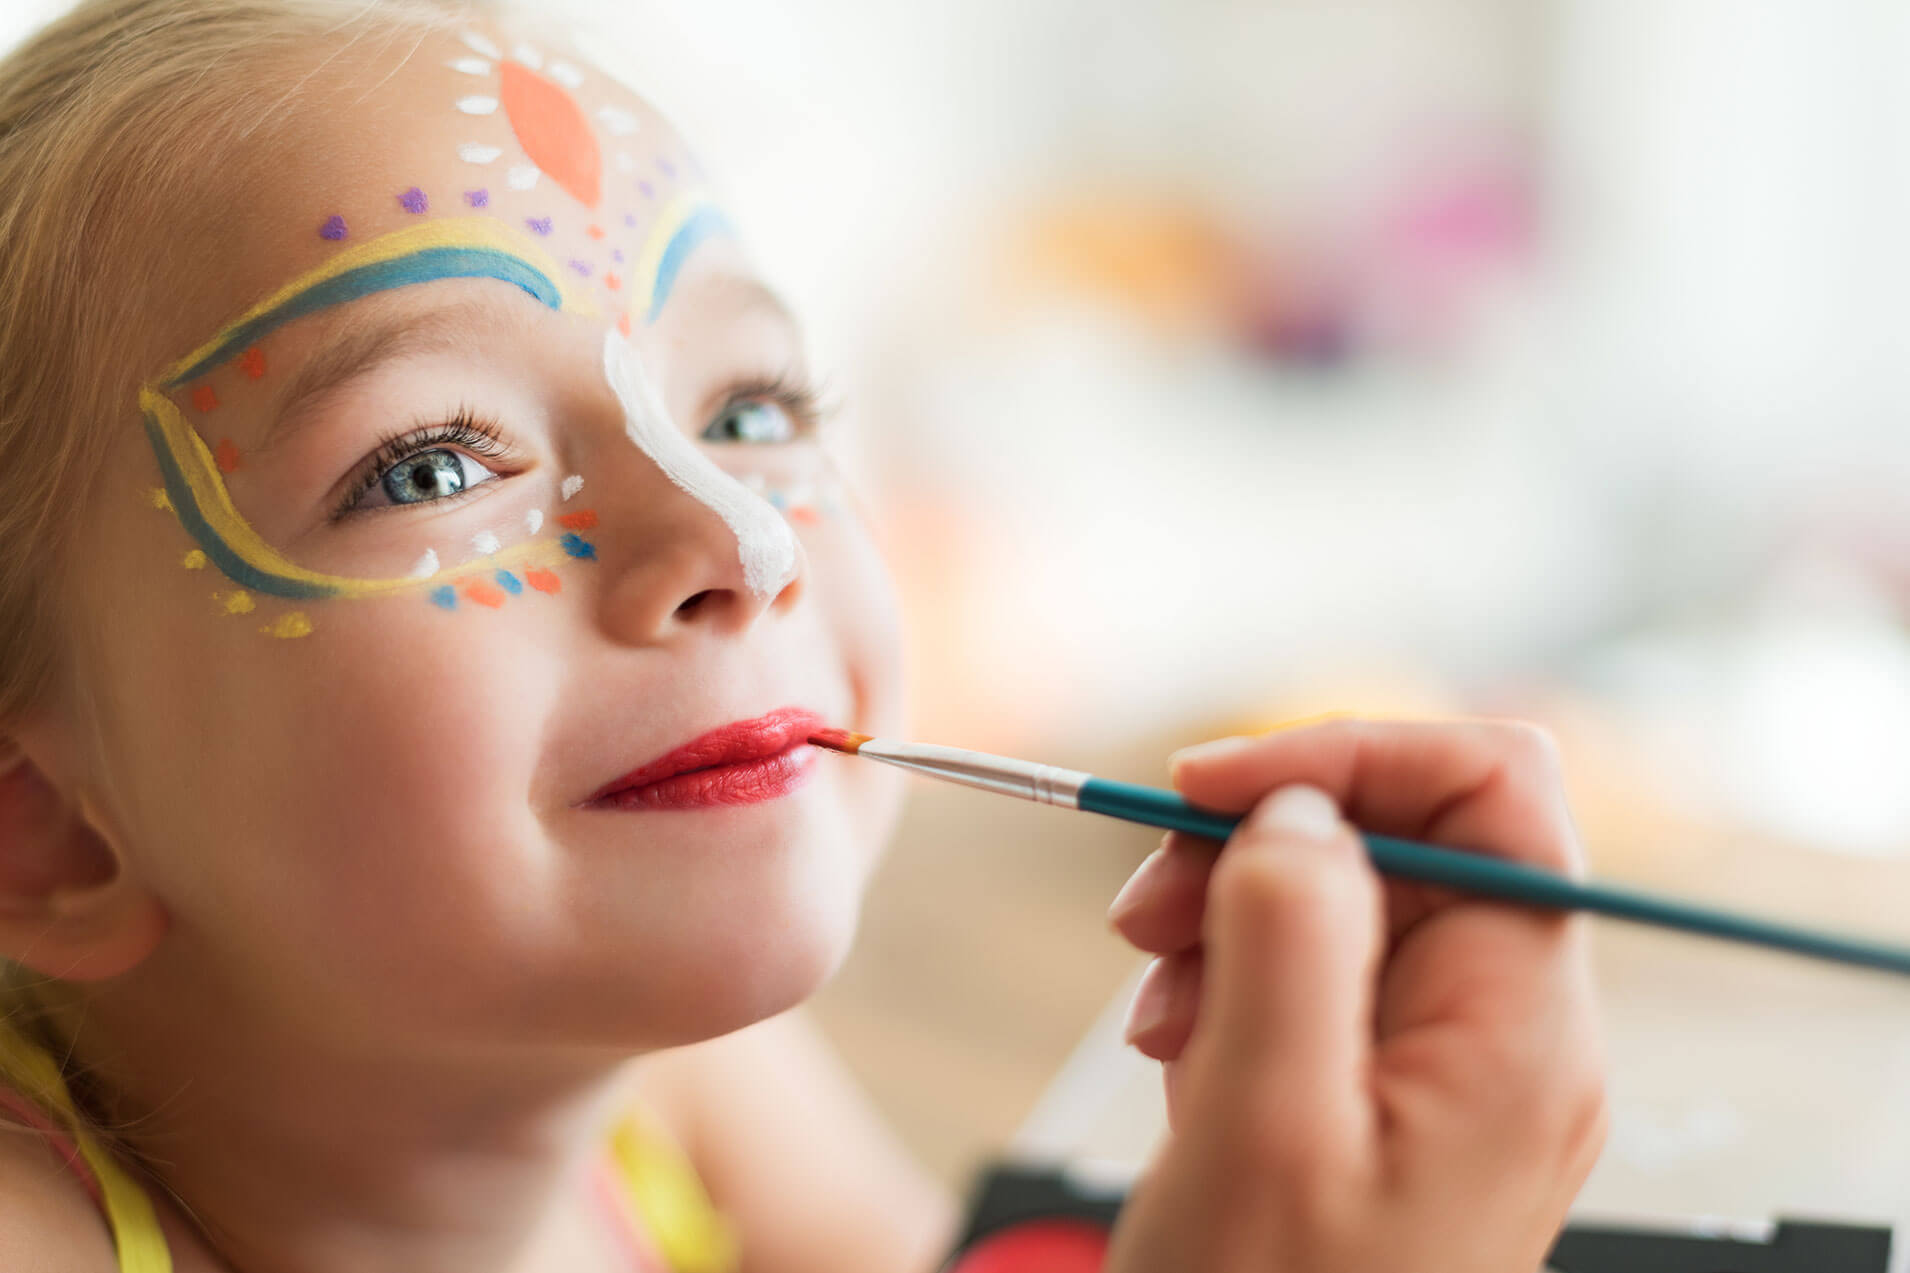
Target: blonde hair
<point x="105" y="115"/>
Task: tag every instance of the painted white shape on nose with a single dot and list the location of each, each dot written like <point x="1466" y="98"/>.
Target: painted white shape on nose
<point x="765" y="545"/>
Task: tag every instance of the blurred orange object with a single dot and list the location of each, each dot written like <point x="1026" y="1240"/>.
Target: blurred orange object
<point x="1167" y="264"/>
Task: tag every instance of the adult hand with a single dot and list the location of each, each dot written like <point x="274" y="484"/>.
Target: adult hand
<point x="1364" y="1076"/>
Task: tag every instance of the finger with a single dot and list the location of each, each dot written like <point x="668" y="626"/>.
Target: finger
<point x="1160" y="907"/>
<point x="1292" y="941"/>
<point x="1165" y="1005"/>
<point x="1490" y="786"/>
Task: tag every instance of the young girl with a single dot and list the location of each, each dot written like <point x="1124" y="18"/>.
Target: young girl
<point x="418" y="577"/>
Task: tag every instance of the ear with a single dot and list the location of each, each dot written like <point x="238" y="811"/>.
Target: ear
<point x="68" y="909"/>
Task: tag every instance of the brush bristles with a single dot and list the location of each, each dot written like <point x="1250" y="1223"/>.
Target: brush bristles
<point x="839" y="740"/>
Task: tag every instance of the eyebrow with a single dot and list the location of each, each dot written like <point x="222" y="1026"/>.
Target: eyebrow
<point x="362" y="349"/>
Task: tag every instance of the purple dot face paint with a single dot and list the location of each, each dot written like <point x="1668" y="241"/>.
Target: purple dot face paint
<point x="333" y="229"/>
<point x="414" y="201"/>
<point x="478" y="198"/>
<point x="539" y="225"/>
<point x="582" y="267"/>
<point x="665" y="167"/>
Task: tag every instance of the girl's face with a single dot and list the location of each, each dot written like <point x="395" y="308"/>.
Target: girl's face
<point x="413" y="559"/>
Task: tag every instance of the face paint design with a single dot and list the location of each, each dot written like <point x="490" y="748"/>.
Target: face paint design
<point x="764" y="544"/>
<point x="686" y="222"/>
<point x="551" y="128"/>
<point x="555" y="135"/>
<point x="804" y="503"/>
<point x="194" y="483"/>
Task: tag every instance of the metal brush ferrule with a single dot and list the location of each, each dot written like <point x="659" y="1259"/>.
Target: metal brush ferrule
<point x="1024" y="779"/>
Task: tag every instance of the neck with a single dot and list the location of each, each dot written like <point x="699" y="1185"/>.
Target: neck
<point x="295" y="1156"/>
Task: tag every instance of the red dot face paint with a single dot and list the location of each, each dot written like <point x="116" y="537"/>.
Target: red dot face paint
<point x="1038" y="1246"/>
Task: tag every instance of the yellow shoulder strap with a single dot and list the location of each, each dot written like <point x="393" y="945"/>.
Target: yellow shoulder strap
<point x="129" y="1213"/>
<point x="663" y="1188"/>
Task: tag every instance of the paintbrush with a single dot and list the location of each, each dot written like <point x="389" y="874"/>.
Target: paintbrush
<point x="1401" y="859"/>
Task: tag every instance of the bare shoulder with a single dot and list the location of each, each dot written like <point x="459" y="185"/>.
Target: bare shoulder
<point x="48" y="1222"/>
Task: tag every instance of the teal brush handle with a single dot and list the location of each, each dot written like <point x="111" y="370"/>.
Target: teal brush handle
<point x="1495" y="877"/>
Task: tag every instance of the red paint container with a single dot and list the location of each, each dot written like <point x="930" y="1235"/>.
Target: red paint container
<point x="1038" y="1246"/>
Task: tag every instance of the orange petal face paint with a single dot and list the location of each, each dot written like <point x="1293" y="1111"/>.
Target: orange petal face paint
<point x="553" y="131"/>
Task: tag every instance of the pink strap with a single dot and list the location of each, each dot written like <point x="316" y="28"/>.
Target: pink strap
<point x="613" y="1200"/>
<point x="56" y="1139"/>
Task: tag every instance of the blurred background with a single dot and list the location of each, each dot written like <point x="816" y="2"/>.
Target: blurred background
<point x="1208" y="364"/>
<point x="1212" y="363"/>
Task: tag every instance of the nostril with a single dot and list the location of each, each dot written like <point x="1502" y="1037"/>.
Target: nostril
<point x="693" y="602"/>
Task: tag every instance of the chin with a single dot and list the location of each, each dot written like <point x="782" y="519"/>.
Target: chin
<point x="755" y="952"/>
<point x="742" y="983"/>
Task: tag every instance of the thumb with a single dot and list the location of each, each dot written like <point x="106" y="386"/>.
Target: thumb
<point x="1293" y="937"/>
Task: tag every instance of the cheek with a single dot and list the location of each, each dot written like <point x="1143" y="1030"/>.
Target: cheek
<point x="851" y="586"/>
<point x="848" y="580"/>
<point x="322" y="809"/>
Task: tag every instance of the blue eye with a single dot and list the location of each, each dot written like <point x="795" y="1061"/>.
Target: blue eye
<point x="754" y="420"/>
<point x="427" y="476"/>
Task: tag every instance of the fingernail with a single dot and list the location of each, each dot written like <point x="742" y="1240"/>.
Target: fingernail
<point x="1299" y="812"/>
<point x="1208" y="753"/>
<point x="1137" y="885"/>
<point x="1149" y="1008"/>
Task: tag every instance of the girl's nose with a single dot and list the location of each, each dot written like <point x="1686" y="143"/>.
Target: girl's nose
<point x="697" y="549"/>
<point x="676" y="570"/>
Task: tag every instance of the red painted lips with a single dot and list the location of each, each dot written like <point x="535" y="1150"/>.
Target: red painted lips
<point x="744" y="762"/>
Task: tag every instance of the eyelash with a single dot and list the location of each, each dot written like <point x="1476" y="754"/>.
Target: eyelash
<point x="802" y="398"/>
<point x="483" y="436"/>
